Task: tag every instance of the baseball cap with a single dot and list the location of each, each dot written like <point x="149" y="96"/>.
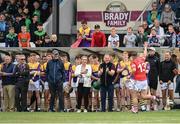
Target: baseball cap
<point x="55" y="52"/>
<point x="152" y="48"/>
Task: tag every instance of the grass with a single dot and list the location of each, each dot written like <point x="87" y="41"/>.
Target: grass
<point x="114" y="117"/>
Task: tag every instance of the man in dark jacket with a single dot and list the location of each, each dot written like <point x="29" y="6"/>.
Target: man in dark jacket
<point x="154" y="70"/>
<point x="106" y="73"/>
<point x="166" y="76"/>
<point x="153" y="74"/>
<point x="56" y="76"/>
<point x="22" y="74"/>
<point x="7" y="73"/>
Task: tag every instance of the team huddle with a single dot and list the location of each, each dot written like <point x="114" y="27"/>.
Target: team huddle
<point x="133" y="79"/>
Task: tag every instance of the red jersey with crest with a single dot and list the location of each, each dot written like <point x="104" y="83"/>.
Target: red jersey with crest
<point x="139" y="65"/>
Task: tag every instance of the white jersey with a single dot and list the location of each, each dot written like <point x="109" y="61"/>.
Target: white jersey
<point x="113" y="40"/>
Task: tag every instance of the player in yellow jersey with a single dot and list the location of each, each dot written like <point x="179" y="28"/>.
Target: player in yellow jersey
<point x="34" y="84"/>
<point x="46" y="58"/>
<point x="95" y="79"/>
<point x="67" y="83"/>
<point x="125" y="71"/>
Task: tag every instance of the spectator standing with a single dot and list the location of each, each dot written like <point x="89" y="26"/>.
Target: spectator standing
<point x="8" y="83"/>
<point x="167" y="17"/>
<point x="129" y="38"/>
<point x="153" y="14"/>
<point x="56" y="67"/>
<point x="106" y="73"/>
<point x="113" y="39"/>
<point x="98" y="38"/>
<point x="21" y="85"/>
<point x="166" y="77"/>
<point x="153" y="74"/>
<point x="86" y="34"/>
<point x="83" y="72"/>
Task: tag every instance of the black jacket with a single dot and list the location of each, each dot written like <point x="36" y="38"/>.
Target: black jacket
<point x="154" y="67"/>
<point x="22" y="74"/>
<point x="166" y="71"/>
<point x="55" y="71"/>
<point x="8" y="80"/>
<point x="107" y="79"/>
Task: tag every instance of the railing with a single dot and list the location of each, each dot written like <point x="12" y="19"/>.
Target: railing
<point x="141" y="15"/>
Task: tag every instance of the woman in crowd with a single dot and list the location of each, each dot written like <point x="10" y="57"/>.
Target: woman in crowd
<point x="83" y="72"/>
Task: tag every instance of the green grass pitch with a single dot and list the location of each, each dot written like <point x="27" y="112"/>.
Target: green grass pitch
<point x="113" y="117"/>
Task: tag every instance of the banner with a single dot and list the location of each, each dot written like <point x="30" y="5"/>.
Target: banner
<point x="108" y="13"/>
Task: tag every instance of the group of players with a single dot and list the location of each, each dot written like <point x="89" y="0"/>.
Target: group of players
<point x="129" y="75"/>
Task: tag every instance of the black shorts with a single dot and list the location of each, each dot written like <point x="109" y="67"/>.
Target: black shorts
<point x="153" y="84"/>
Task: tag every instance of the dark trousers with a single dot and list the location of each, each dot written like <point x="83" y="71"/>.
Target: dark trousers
<point x="56" y="90"/>
<point x="21" y="90"/>
<point x="83" y="92"/>
<point x="104" y="90"/>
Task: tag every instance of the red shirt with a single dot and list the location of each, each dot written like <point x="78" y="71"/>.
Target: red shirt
<point x="139" y="65"/>
<point x="24" y="39"/>
<point x="98" y="39"/>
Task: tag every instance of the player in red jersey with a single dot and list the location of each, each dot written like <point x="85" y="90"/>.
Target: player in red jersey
<point x="139" y="68"/>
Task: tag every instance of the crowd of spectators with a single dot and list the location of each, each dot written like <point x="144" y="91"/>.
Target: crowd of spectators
<point x="21" y="26"/>
<point x="161" y="28"/>
<point x="21" y="21"/>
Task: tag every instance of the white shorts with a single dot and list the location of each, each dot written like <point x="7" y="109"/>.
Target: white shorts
<point x="0" y="85"/>
<point x="117" y="85"/>
<point x="165" y="86"/>
<point x="46" y="85"/>
<point x="140" y="85"/>
<point x="65" y="84"/>
<point x="35" y="86"/>
<point x="128" y="84"/>
<point x="74" y="84"/>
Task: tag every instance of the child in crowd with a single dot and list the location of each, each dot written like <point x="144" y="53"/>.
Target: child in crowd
<point x="11" y="38"/>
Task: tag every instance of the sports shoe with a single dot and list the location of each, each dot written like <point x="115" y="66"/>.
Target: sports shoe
<point x="85" y="111"/>
<point x="118" y="110"/>
<point x="38" y="109"/>
<point x="28" y="109"/>
<point x="79" y="111"/>
<point x="134" y="110"/>
<point x="51" y="111"/>
<point x="143" y="108"/>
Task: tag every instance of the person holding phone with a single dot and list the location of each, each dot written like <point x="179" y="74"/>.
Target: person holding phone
<point x="84" y="73"/>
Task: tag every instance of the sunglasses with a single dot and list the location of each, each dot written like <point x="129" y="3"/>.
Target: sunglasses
<point x="22" y="59"/>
